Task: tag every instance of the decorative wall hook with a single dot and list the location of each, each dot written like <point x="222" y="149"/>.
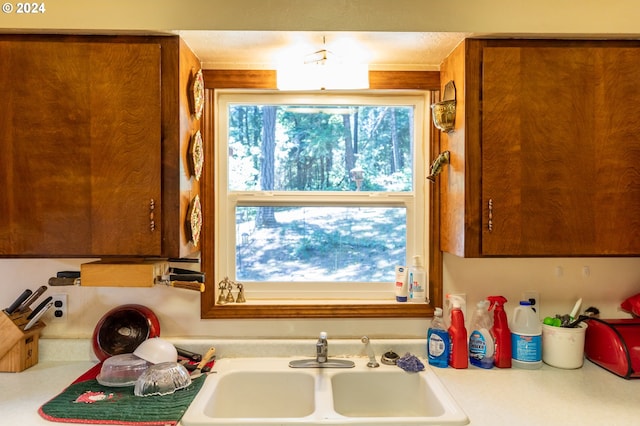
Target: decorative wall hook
<point x="438" y="165"/>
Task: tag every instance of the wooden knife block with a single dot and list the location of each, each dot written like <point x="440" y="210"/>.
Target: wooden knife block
<point x="18" y="348"/>
<point x="122" y="273"/>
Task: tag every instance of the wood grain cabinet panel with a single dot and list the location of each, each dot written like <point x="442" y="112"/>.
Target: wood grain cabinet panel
<point x="546" y="153"/>
<point x="84" y="133"/>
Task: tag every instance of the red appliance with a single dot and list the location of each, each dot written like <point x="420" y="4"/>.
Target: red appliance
<point x="614" y="344"/>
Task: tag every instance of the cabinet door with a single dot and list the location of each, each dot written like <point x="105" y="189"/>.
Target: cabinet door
<point x="80" y="148"/>
<point x="560" y="151"/>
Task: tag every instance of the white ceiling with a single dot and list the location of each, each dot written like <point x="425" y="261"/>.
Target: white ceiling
<point x="409" y="51"/>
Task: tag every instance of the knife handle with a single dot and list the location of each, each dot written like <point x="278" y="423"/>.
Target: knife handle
<point x="188" y="354"/>
<point x="188" y="285"/>
<point x="40" y="307"/>
<point x="24" y="305"/>
<point x="207" y="357"/>
<point x="68" y="274"/>
<point x="24" y="296"/>
<point x="38" y="314"/>
<point x="59" y="281"/>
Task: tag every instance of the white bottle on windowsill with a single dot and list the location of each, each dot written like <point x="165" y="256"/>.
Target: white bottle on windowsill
<point x="402" y="286"/>
<point x="417" y="279"/>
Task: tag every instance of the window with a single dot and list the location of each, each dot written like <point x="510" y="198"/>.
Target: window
<point x="319" y="196"/>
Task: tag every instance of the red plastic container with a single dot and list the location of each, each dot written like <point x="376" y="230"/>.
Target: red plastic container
<point x="614" y="344"/>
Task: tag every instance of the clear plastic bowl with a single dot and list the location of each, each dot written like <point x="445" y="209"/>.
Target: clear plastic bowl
<point x="122" y="370"/>
<point x="156" y="351"/>
<point x="162" y="379"/>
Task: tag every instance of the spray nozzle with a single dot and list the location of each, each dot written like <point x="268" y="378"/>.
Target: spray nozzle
<point x="496" y="301"/>
<point x="456" y="301"/>
<point x="483" y="305"/>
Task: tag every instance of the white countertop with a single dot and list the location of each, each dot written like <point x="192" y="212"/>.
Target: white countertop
<point x="548" y="396"/>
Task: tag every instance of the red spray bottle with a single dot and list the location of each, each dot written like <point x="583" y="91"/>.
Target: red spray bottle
<point x="501" y="332"/>
<point x="459" y="352"/>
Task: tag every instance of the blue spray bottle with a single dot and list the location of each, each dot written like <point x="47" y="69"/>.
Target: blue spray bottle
<point x="438" y="341"/>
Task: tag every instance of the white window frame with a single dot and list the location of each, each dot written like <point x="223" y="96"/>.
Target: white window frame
<point x="415" y="201"/>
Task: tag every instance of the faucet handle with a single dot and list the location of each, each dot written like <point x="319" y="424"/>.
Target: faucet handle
<point x="322" y="348"/>
<point x="372" y="356"/>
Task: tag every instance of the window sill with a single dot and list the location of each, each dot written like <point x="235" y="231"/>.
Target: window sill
<point x="320" y="309"/>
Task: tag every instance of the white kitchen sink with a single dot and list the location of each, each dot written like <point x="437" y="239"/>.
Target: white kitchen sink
<point x="265" y="391"/>
<point x="262" y="394"/>
<point x="388" y="393"/>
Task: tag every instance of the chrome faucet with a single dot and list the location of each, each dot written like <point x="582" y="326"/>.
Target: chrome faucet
<point x="322" y="348"/>
<point x="372" y="357"/>
<point x="322" y="359"/>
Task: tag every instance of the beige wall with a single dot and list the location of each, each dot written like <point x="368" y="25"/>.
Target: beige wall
<point x="609" y="281"/>
<point x="481" y="16"/>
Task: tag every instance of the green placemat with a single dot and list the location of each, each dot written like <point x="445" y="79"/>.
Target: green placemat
<point x="90" y="402"/>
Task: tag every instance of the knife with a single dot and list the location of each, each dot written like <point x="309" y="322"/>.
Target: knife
<point x="34" y="296"/>
<point x="40" y="307"/>
<point x="68" y="274"/>
<point x="59" y="281"/>
<point x="184" y="271"/>
<point x="192" y="356"/>
<point x="25" y="294"/>
<point x="193" y="281"/>
<point x="39" y="312"/>
<point x="206" y="358"/>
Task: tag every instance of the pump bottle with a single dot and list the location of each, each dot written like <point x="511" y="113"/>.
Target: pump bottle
<point x="459" y="355"/>
<point x="417" y="281"/>
<point x="500" y="331"/>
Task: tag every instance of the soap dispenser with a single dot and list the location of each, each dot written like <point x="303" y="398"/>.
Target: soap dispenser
<point x="417" y="279"/>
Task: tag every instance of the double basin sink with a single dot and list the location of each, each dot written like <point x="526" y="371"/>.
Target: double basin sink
<point x="265" y="391"/>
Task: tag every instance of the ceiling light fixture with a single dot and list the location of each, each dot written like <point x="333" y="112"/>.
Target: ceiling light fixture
<point x="322" y="70"/>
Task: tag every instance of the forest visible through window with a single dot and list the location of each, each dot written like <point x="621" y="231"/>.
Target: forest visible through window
<point x="320" y="191"/>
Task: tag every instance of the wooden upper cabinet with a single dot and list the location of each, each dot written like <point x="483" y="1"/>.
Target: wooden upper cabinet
<point x="545" y="157"/>
<point x="83" y="138"/>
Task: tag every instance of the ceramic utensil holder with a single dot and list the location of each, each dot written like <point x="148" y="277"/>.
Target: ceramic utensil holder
<point x="18" y="348"/>
<point x="563" y="347"/>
